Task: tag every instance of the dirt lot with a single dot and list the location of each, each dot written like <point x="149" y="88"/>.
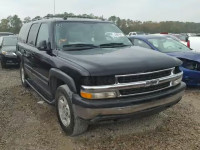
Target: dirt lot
<point x="26" y="124"/>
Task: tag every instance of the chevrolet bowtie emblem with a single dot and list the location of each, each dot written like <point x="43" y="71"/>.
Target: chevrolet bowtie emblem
<point x="152" y="82"/>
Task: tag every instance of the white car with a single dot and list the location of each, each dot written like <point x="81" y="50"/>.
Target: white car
<point x="195" y="43"/>
<point x="136" y="33"/>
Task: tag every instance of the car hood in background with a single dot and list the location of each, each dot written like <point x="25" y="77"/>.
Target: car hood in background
<point x="9" y="48"/>
<point x="190" y="55"/>
<point x="117" y="61"/>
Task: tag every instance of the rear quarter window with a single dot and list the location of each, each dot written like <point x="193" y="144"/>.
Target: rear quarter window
<point x="23" y="34"/>
<point x="33" y="34"/>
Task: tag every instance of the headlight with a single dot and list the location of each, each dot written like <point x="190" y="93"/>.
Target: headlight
<point x="102" y="95"/>
<point x="4" y="52"/>
<point x="8" y="53"/>
<point x="98" y="80"/>
<point x="190" y="64"/>
<point x="177" y="81"/>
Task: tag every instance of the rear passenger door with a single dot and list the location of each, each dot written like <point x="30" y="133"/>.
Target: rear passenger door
<point x="42" y="61"/>
<point x="29" y="50"/>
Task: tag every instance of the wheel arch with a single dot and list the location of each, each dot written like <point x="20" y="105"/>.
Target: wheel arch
<point x="58" y="78"/>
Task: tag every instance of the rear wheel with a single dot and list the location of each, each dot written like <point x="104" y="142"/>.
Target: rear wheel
<point x="23" y="76"/>
<point x="69" y="121"/>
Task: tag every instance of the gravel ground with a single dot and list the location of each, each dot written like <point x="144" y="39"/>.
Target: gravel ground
<point x="27" y="123"/>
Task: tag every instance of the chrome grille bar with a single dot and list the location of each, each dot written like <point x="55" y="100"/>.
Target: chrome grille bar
<point x="140" y="84"/>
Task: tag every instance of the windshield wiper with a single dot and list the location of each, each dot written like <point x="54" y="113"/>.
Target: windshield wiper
<point x="113" y="45"/>
<point x="79" y="45"/>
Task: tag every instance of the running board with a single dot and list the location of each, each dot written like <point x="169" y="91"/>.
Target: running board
<point x="52" y="102"/>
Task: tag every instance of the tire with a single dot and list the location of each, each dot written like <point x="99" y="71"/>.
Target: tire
<point x="70" y="122"/>
<point x="18" y="65"/>
<point x="3" y="64"/>
<point x="23" y="76"/>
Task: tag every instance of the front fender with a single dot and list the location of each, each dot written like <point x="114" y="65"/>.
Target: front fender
<point x="56" y="73"/>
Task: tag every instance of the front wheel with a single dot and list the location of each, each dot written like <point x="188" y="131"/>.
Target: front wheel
<point x="70" y="123"/>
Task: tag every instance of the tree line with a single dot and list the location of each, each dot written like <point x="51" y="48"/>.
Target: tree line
<point x="14" y="23"/>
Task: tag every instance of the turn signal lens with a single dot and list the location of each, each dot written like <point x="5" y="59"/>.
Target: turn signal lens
<point x="103" y="95"/>
<point x="86" y="95"/>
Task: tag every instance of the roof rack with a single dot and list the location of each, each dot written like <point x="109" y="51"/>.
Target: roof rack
<point x="69" y="17"/>
<point x="72" y="16"/>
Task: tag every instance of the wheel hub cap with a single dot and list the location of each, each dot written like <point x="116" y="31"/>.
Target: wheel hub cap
<point x="64" y="111"/>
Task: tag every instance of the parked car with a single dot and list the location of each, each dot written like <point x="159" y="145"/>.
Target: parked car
<point x="89" y="77"/>
<point x="5" y="33"/>
<point x="8" y="51"/>
<point x="191" y="59"/>
<point x="195" y="43"/>
<point x="136" y="33"/>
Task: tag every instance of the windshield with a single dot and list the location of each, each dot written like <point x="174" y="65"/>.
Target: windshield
<point x="9" y="41"/>
<point x="167" y="45"/>
<point x="88" y="34"/>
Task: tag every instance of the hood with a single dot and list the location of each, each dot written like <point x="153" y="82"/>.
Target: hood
<point x="190" y="55"/>
<point x="117" y="61"/>
<point x="9" y="48"/>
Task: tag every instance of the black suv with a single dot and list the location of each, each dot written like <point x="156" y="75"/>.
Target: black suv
<point x="91" y="72"/>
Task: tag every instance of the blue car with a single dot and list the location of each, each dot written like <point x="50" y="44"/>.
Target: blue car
<point x="165" y="44"/>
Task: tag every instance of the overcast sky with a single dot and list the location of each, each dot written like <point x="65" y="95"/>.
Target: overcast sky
<point x="144" y="10"/>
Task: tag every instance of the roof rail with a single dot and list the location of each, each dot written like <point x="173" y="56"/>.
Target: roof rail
<point x="36" y="19"/>
<point x="71" y="16"/>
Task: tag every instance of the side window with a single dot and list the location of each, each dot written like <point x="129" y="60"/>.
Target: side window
<point x="43" y="34"/>
<point x="24" y="33"/>
<point x="140" y="43"/>
<point x="33" y="34"/>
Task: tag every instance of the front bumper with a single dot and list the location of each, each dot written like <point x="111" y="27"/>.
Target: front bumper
<point x="10" y="59"/>
<point x="125" y="107"/>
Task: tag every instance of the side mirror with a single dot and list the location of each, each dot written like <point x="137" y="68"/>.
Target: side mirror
<point x="42" y="46"/>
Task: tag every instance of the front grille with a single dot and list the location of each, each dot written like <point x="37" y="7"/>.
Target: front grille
<point x="144" y="77"/>
<point x="141" y="83"/>
<point x="144" y="90"/>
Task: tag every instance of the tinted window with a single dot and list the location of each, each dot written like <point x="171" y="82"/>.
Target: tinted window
<point x="33" y="34"/>
<point x="24" y="33"/>
<point x="9" y="41"/>
<point x="137" y="42"/>
<point x="43" y="34"/>
<point x="88" y="33"/>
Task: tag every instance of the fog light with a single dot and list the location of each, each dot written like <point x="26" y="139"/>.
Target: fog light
<point x="102" y="95"/>
<point x="4" y="52"/>
<point x="176" y="82"/>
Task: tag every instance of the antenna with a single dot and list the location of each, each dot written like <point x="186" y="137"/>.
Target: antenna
<point x="54" y="6"/>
